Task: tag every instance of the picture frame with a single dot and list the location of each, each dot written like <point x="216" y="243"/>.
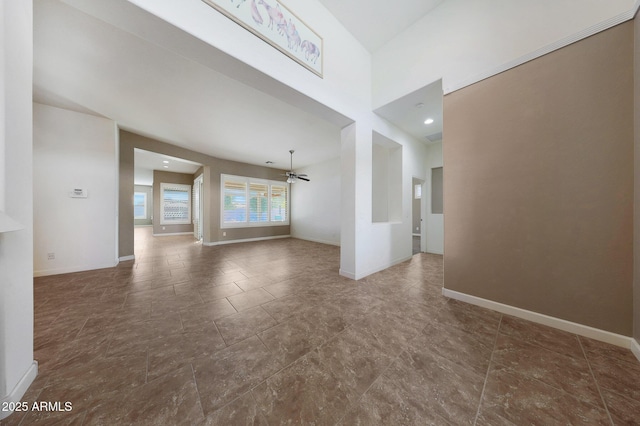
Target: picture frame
<point x="278" y="26"/>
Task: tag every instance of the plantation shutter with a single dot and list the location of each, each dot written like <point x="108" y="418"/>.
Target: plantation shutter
<point x="278" y="203"/>
<point x="258" y="202"/>
<point x="235" y="201"/>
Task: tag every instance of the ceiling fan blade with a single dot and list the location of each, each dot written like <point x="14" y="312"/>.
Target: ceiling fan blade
<point x="302" y="174"/>
<point x="302" y="178"/>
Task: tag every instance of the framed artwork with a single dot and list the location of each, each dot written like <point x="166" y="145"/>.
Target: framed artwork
<point x="274" y="23"/>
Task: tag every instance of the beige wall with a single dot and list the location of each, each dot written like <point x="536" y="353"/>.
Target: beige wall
<point x="538" y="165"/>
<point x="125" y="195"/>
<point x="212" y="167"/>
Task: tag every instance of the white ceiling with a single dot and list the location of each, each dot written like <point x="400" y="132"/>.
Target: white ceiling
<point x="410" y="112"/>
<point x="85" y="64"/>
<point x="146" y="162"/>
<point x="375" y="22"/>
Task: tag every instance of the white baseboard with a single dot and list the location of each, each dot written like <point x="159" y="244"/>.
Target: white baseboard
<point x="127" y="258"/>
<point x="316" y="240"/>
<point x="19" y="390"/>
<point x="172" y="234"/>
<point x="358" y="276"/>
<point x="69" y="270"/>
<point x="635" y="348"/>
<point x="560" y="324"/>
<point x="247" y="240"/>
<point x="347" y="274"/>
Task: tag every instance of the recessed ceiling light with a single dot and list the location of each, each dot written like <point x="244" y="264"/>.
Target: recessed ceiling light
<point x="428" y="121"/>
<point x="166" y="162"/>
<point x="166" y="167"/>
<point x="420" y="105"/>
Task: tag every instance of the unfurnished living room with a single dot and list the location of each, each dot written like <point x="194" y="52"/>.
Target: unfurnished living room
<point x="230" y="212"/>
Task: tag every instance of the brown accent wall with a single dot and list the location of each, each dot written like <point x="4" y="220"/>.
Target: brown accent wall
<point x="538" y="184"/>
<point x="125" y="201"/>
<point x="212" y="167"/>
<point x="168" y="177"/>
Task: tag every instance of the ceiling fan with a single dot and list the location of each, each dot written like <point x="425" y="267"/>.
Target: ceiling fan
<point x="293" y="177"/>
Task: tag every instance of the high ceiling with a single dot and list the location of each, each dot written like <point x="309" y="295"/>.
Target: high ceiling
<point x="84" y="64"/>
<point x="375" y="22"/>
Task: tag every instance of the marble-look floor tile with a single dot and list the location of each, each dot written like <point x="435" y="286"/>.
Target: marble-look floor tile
<point x="617" y="376"/>
<point x="285" y="307"/>
<point x="176" y="351"/>
<point x="210" y="293"/>
<point x="302" y="393"/>
<point x="524" y="400"/>
<point x="242" y="411"/>
<point x="237" y="327"/>
<point x="571" y="374"/>
<point x="623" y="409"/>
<point x="388" y="403"/>
<point x="270" y="333"/>
<point x="196" y="316"/>
<point x="454" y="344"/>
<point x="353" y="361"/>
<point x="442" y="387"/>
<point x="170" y="399"/>
<point x="547" y="337"/>
<point x="483" y="323"/>
<point x="596" y="350"/>
<point x="293" y="339"/>
<point x="249" y="299"/>
<point x="232" y="372"/>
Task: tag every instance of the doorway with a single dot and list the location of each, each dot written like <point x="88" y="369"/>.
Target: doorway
<point x="417" y="228"/>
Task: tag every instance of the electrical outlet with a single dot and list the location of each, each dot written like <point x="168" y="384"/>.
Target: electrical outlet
<point x="224" y="234"/>
<point x="51" y="256"/>
<point x="164" y="228"/>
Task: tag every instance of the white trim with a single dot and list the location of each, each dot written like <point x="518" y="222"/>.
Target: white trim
<point x="635" y="348"/>
<point x="20" y="389"/>
<point x="357" y="276"/>
<point x="247" y="240"/>
<point x="349" y="275"/>
<point x="560" y="324"/>
<point x="440" y="253"/>
<point x="127" y="258"/>
<point x="587" y="32"/>
<point x="315" y="240"/>
<point x="58" y="271"/>
<point x="171" y="234"/>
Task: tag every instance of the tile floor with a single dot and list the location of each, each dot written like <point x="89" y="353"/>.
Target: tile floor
<point x="268" y="333"/>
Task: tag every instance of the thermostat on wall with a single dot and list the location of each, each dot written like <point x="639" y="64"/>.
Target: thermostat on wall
<point x="78" y="193"/>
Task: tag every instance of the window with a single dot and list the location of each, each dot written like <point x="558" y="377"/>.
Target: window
<point x="436" y="190"/>
<point x="253" y="202"/>
<point x="175" y="204"/>
<point x="139" y="205"/>
<point x="417" y="191"/>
